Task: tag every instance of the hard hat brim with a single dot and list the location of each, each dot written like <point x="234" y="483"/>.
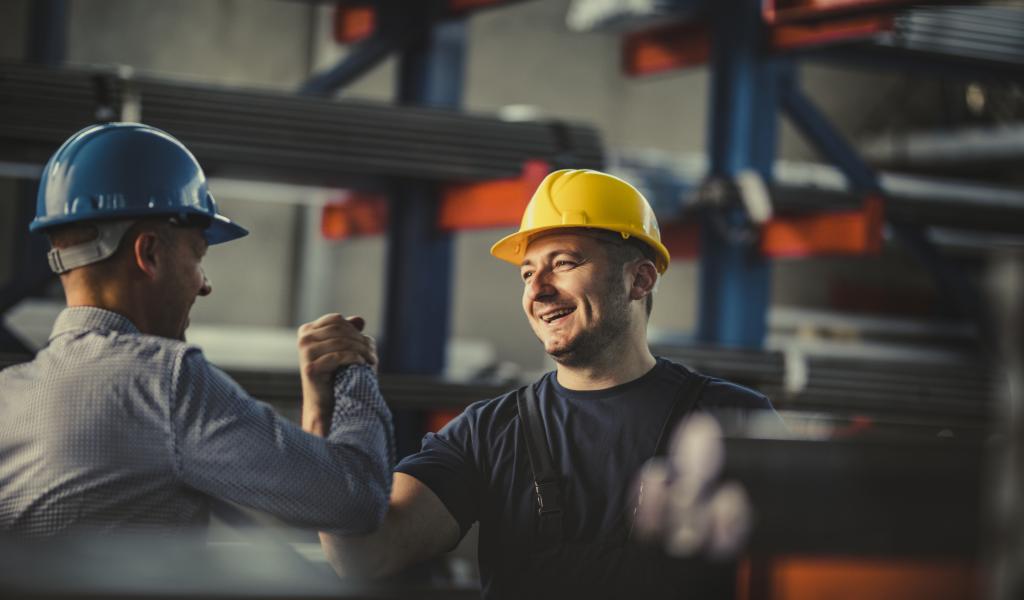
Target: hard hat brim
<point x="220" y="230"/>
<point x="223" y="229"/>
<point x="512" y="248"/>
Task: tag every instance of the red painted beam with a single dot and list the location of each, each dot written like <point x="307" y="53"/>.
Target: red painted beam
<point x="498" y="203"/>
<point x="665" y="48"/>
<point x="836" y="233"/>
<point x="779" y="12"/>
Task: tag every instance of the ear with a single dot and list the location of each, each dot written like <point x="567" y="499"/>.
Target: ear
<point x="145" y="247"/>
<point x="645" y="275"/>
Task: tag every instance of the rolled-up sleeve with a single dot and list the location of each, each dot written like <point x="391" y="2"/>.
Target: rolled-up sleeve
<point x="230" y="446"/>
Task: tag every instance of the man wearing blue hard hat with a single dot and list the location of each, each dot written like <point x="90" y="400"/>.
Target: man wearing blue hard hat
<point x="118" y="424"/>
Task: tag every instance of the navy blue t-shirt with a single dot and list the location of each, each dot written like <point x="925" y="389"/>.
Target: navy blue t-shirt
<point x="478" y="464"/>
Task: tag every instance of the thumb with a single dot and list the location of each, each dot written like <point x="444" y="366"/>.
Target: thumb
<point x="358" y="322"/>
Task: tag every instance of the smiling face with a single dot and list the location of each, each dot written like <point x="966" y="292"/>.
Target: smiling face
<point x="575" y="297"/>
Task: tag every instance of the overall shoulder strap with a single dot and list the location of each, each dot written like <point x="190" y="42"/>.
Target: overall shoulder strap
<point x="685" y="403"/>
<point x="545" y="477"/>
<point x="687" y="400"/>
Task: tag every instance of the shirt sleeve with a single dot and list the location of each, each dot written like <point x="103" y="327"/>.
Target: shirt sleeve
<point x="232" y="447"/>
<point x="446" y="464"/>
<point x="741" y="410"/>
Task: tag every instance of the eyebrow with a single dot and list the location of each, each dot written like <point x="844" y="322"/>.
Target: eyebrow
<point x="526" y="262"/>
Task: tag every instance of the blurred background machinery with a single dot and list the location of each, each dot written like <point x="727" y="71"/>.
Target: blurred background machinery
<point x="834" y="260"/>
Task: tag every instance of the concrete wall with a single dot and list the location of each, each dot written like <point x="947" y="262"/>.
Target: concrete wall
<point x="519" y="54"/>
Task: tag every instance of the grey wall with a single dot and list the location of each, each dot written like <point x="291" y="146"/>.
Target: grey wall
<point x="518" y="54"/>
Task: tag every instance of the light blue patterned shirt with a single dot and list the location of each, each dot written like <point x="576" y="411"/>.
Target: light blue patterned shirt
<point x="109" y="429"/>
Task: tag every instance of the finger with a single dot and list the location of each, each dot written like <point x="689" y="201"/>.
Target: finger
<point x="373" y="349"/>
<point x="324" y="320"/>
<point x="731" y="520"/>
<point x="358" y="322"/>
<point x="328" y="363"/>
<point x="651" y="493"/>
<point x="341" y="330"/>
<point x="314" y="351"/>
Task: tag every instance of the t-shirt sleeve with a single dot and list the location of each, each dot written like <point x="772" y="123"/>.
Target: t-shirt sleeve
<point x="739" y="409"/>
<point x="447" y="464"/>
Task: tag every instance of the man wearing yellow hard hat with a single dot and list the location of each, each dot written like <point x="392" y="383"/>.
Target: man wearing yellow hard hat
<point x="546" y="470"/>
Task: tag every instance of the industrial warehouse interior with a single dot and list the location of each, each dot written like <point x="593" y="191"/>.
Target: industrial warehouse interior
<point x="838" y="184"/>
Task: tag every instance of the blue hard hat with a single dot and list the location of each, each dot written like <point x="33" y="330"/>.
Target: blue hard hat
<point x="125" y="171"/>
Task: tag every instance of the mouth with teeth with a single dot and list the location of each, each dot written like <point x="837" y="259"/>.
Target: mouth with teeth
<point x="556" y="315"/>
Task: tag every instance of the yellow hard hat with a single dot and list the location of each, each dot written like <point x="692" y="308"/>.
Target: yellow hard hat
<point x="583" y="198"/>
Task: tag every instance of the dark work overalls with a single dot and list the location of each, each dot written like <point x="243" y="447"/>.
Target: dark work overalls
<point x="611" y="566"/>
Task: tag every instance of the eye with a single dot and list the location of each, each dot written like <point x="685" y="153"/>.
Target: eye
<point x="526" y="275"/>
<point x="563" y="263"/>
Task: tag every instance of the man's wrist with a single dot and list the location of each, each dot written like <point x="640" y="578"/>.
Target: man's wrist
<point x="317" y="406"/>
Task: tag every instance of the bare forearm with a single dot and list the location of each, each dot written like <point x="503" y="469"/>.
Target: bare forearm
<point x="360" y="557"/>
<point x="317" y="406"/>
<point x="417" y="527"/>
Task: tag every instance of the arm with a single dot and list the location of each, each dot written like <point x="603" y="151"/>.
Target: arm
<point x="417" y="527"/>
<point x="229" y="446"/>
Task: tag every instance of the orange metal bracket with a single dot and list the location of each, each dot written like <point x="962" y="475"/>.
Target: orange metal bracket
<point x="792" y="11"/>
<point x="354" y="214"/>
<point x="497" y="203"/>
<point x="353" y="22"/>
<point x="682" y="238"/>
<point x="812" y="578"/>
<point x="789" y="37"/>
<point x="847" y="232"/>
<point x="665" y="48"/>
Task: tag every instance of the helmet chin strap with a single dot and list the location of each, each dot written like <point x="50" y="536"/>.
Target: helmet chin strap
<point x="63" y="260"/>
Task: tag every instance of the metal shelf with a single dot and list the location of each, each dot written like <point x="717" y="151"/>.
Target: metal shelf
<point x="271" y="136"/>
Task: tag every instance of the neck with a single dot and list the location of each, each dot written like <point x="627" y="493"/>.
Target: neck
<point x="114" y="298"/>
<point x="619" y="363"/>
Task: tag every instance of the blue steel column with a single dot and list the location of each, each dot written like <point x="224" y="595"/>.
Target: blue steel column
<point x="735" y="280"/>
<point x="418" y="293"/>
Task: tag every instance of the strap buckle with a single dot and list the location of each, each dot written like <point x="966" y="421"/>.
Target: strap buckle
<point x="549" y="497"/>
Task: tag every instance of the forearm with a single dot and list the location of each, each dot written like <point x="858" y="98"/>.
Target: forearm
<point x="370" y="556"/>
<point x="232" y="447"/>
<point x="417" y="527"/>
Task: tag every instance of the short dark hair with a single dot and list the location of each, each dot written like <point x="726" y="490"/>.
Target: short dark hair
<point x="624" y="250"/>
<point x="65" y="236"/>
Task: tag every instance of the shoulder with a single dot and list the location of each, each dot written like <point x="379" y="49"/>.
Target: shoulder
<point x="488" y="417"/>
<point x="726" y="394"/>
<point x="112" y="355"/>
<point x="721" y="393"/>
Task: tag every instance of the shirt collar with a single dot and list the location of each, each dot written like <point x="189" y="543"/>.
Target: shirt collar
<point x="91" y="318"/>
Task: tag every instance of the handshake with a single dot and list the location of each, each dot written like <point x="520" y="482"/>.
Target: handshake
<point x="326" y="345"/>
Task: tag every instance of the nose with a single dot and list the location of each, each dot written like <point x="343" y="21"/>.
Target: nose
<point x="206" y="288"/>
<point x="539" y="287"/>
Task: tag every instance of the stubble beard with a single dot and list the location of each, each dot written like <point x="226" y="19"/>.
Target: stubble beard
<point x="590" y="346"/>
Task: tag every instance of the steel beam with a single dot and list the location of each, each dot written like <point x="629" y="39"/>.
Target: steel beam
<point x="418" y="297"/>
<point x="951" y="279"/>
<point x="734" y="278"/>
<point x="399" y="25"/>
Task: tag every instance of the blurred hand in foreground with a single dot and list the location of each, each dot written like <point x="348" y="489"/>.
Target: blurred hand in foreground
<point x="683" y="506"/>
